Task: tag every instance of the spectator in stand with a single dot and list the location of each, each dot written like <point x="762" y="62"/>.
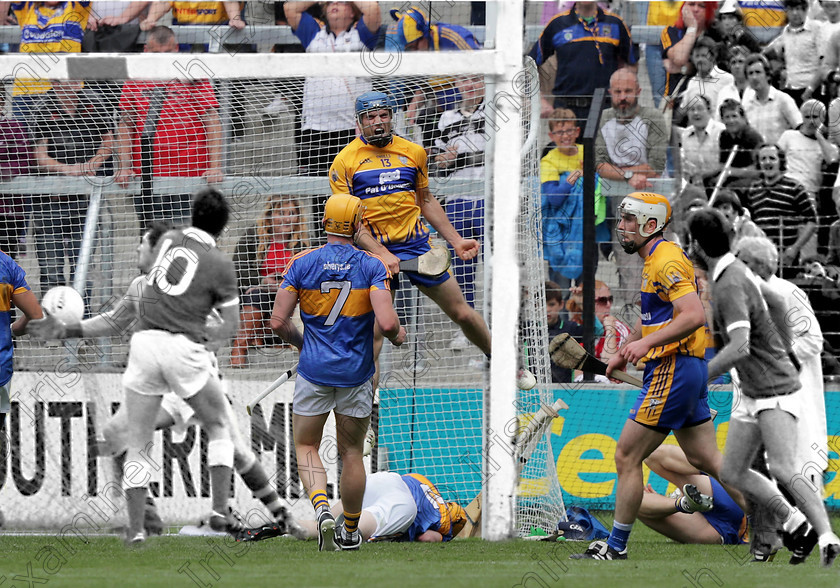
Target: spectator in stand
<point x="328" y="119"/>
<point x="661" y="14"/>
<point x="769" y="111"/>
<point x="629" y="150"/>
<point x="807" y="149"/>
<point x="781" y="207"/>
<point x="728" y="31"/>
<point x="15" y="160"/>
<point x="611" y="333"/>
<point x="700" y="146"/>
<point x="738" y="132"/>
<point x="459" y="153"/>
<point x="73" y="136"/>
<point x="591" y="45"/>
<point x="413" y="31"/>
<point x="182" y="117"/>
<point x="556" y="325"/>
<point x="114" y="14"/>
<point x="830" y="42"/>
<point x="737" y="67"/>
<point x="195" y="13"/>
<point x="799" y="46"/>
<point x="261" y="256"/>
<point x="729" y="205"/>
<point x="678" y="42"/>
<point x="46" y="27"/>
<point x="561" y="177"/>
<point x="708" y="79"/>
<point x="833" y="256"/>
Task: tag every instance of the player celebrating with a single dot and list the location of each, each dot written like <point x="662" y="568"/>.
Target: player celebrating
<point x="189" y="278"/>
<point x="174" y="412"/>
<point x="342" y="292"/>
<point x="390" y="175"/>
<point x="669" y="335"/>
<point x="771" y="397"/>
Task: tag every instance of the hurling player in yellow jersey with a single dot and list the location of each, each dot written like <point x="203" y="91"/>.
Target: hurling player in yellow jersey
<point x="670" y="336"/>
<point x="390" y="175"/>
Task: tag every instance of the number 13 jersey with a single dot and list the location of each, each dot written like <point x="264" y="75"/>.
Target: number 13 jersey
<point x="189" y="278"/>
<point x="333" y="284"/>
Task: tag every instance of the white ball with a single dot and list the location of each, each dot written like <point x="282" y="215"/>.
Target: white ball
<point x="64" y="303"/>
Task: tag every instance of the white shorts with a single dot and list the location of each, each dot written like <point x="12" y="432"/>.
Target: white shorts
<point x="390" y="502"/>
<point x="161" y="362"/>
<point x="311" y="399"/>
<point x="746" y="409"/>
<point x="181" y="413"/>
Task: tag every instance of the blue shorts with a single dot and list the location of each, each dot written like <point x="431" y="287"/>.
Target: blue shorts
<point x="726" y="517"/>
<point x="674" y="394"/>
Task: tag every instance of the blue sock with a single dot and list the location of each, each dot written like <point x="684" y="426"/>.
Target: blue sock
<point x="619" y="536"/>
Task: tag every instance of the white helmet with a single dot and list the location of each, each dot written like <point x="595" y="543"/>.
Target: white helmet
<point x="646" y="206"/>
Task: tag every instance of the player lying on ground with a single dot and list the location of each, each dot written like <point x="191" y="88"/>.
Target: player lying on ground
<point x="173" y="412"/>
<point x="343" y="291"/>
<point x="702" y="513"/>
<point x="400" y="508"/>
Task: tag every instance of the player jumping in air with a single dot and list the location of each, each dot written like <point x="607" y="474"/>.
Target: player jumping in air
<point x="669" y="335"/>
<point x="390" y="175"/>
<point x="342" y="291"/>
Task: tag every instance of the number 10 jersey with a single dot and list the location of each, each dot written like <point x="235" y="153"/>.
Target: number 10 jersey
<point x="189" y="278"/>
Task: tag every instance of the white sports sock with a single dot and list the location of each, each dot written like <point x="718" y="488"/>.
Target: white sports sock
<point x="795" y="519"/>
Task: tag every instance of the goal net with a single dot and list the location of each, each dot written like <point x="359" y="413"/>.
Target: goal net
<point x="101" y="156"/>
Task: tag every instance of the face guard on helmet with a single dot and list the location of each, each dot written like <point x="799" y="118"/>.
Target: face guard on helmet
<point x="376" y="133"/>
<point x="342" y="215"/>
<point x="644" y="206"/>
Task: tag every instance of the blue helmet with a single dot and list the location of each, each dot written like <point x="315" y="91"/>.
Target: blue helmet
<point x="380" y="133"/>
<point x="373" y="101"/>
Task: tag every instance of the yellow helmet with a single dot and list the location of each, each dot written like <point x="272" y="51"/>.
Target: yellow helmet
<point x="342" y="215"/>
<point x="646" y="206"/>
<point x="457" y="517"/>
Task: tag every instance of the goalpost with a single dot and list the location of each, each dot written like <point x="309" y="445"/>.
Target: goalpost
<point x="440" y="412"/>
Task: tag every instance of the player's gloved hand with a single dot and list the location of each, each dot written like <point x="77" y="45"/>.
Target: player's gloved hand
<point x="47" y="328"/>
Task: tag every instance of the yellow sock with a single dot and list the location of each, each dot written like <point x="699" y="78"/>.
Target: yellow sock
<point x="319" y="500"/>
<point x="351" y="521"/>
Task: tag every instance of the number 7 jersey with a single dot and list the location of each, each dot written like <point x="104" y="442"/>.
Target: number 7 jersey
<point x="333" y="284"/>
<point x="189" y="278"/>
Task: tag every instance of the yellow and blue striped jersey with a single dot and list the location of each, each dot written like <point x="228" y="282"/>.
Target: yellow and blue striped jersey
<point x="668" y="275"/>
<point x="12" y="281"/>
<point x="386" y="179"/>
<point x="432" y="511"/>
<point x="45" y="29"/>
<point x="333" y="284"/>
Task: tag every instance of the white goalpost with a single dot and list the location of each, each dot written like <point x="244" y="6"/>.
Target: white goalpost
<point x="440" y="410"/>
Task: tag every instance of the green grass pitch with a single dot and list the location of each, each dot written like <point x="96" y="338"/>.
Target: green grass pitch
<point x="29" y="561"/>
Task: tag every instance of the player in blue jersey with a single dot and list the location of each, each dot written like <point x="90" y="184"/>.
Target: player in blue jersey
<point x="752" y="321"/>
<point x="685" y="518"/>
<point x="15" y="292"/>
<point x="402" y="508"/>
<point x="390" y="175"/>
<point x="342" y="291"/>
